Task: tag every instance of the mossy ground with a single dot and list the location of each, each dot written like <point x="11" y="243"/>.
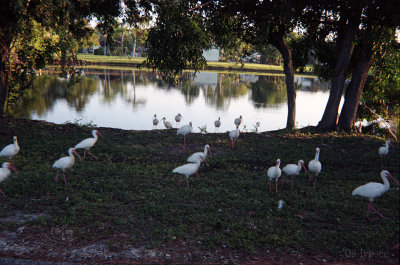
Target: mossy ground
<point x="130" y="195"/>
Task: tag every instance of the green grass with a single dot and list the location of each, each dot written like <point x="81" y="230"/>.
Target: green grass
<point x="110" y="59"/>
<point x="131" y="194"/>
<point x="231" y="66"/>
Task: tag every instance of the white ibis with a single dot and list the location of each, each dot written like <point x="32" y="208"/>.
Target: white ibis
<point x="155" y="121"/>
<point x="187" y="170"/>
<point x="217" y="123"/>
<point x="178" y="119"/>
<point x="373" y="190"/>
<point x="274" y="173"/>
<point x="5" y="173"/>
<point x="65" y="162"/>
<point x="294" y="170"/>
<point x="238" y="121"/>
<point x="88" y="143"/>
<point x="384" y="150"/>
<point x="314" y="166"/>
<point x="200" y="155"/>
<point x="184" y="130"/>
<point x="167" y="124"/>
<point x="233" y="135"/>
<point x="10" y="150"/>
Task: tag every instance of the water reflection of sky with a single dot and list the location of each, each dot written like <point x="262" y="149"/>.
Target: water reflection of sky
<point x="130" y="106"/>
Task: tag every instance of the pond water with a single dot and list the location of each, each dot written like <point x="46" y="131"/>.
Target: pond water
<point x="128" y="99"/>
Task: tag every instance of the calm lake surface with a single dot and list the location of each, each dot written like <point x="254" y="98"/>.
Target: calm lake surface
<point x="128" y="99"/>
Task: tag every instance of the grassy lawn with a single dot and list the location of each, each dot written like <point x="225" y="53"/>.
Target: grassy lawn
<point x="222" y="65"/>
<point x="130" y="197"/>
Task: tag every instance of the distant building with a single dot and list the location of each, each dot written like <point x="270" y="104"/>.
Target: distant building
<point x="211" y="55"/>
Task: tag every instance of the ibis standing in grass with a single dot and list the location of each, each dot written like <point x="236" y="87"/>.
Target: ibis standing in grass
<point x="274" y="173"/>
<point x="293" y="170"/>
<point x="178" y="119"/>
<point x="5" y="173"/>
<point x="184" y="130"/>
<point x="314" y="166"/>
<point x="10" y="150"/>
<point x="167" y="124"/>
<point x="233" y="135"/>
<point x="373" y="190"/>
<point x="384" y="150"/>
<point x="89" y="143"/>
<point x="187" y="170"/>
<point x="217" y="123"/>
<point x="155" y="121"/>
<point x="200" y="155"/>
<point x="65" y="162"/>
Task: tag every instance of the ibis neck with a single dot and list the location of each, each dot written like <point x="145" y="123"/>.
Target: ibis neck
<point x="299" y="167"/>
<point x="385" y="183"/>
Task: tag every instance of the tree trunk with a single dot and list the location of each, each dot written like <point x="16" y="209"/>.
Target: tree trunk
<point x="4" y="56"/>
<point x="281" y="45"/>
<point x="122" y="43"/>
<point x="344" y="52"/>
<point x="354" y="90"/>
<point x="134" y="43"/>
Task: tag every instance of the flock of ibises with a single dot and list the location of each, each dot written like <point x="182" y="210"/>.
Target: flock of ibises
<point x="370" y="190"/>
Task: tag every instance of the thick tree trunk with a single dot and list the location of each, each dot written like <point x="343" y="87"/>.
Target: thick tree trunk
<point x="354" y="90"/>
<point x="345" y="50"/>
<point x="4" y="55"/>
<point x="281" y="45"/>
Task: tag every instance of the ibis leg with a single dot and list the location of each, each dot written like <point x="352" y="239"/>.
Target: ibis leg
<point x="3" y="193"/>
<point x="12" y="163"/>
<point x="375" y="210"/>
<point x="276" y="186"/>
<point x="95" y="157"/>
<point x="179" y="180"/>
<point x="58" y="171"/>
<point x="367" y="215"/>
<point x="270" y="187"/>
<point x="65" y="179"/>
<point x="187" y="183"/>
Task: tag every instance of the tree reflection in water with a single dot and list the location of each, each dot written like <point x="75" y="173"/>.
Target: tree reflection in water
<point x="112" y="91"/>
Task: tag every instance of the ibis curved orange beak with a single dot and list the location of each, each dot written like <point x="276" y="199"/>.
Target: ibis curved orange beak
<point x="12" y="167"/>
<point x="305" y="169"/>
<point x="75" y="152"/>
<point x="395" y="180"/>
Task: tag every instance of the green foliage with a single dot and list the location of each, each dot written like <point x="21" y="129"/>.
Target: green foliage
<point x="177" y="40"/>
<point x="382" y="91"/>
<point x="99" y="51"/>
